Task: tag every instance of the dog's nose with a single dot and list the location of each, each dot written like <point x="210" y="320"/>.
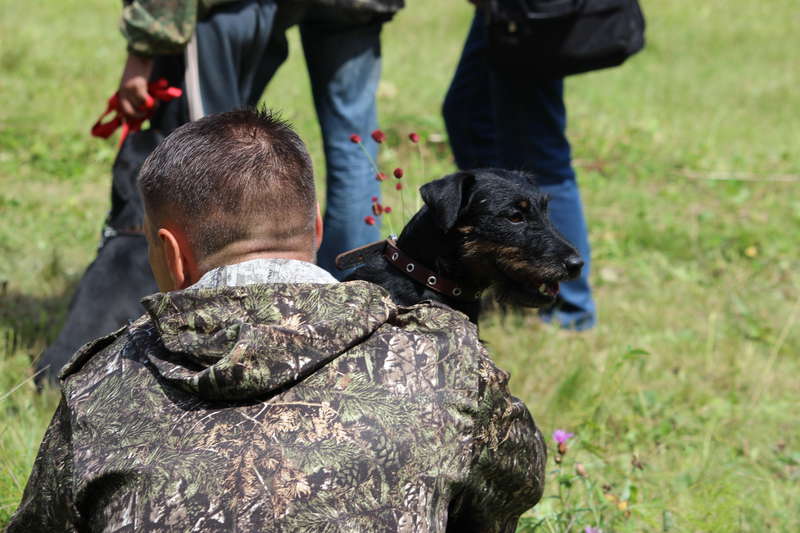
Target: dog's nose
<point x="573" y="264"/>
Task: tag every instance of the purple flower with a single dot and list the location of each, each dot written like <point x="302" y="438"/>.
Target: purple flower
<point x="561" y="436"/>
<point x="590" y="529"/>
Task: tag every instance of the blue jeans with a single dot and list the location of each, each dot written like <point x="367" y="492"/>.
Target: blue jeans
<point x="241" y="46"/>
<point x="515" y="123"/>
<point x="344" y="65"/>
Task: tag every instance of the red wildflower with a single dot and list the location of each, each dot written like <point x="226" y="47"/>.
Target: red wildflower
<point x="398" y="173"/>
<point x="380" y="176"/>
<point x="387" y="209"/>
<point x="399" y="186"/>
<point x="369" y="220"/>
<point x="355" y="138"/>
<point x="414" y="137"/>
<point x="374" y="199"/>
<point x="377" y="209"/>
<point x="378" y="136"/>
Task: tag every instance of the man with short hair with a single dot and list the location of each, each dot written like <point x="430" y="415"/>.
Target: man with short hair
<point x="259" y="394"/>
<point x="223" y="53"/>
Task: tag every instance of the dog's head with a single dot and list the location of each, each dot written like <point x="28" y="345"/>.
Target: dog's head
<point x="506" y="239"/>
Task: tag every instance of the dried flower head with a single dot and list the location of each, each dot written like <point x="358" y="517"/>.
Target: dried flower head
<point x="378" y="136"/>
<point x="580" y="469"/>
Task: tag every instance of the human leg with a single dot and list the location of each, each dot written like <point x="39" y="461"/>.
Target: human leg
<point x="531" y="135"/>
<point x="576" y="307"/>
<point x="467" y="108"/>
<point x="238" y="53"/>
<point x="518" y="123"/>
<point x="344" y="64"/>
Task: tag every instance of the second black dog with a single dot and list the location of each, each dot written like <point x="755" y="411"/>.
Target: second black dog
<point x="480" y="228"/>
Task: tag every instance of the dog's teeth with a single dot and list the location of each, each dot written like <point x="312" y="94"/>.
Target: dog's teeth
<point x="543" y="288"/>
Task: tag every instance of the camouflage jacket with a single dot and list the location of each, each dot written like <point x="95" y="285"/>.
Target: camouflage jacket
<point x="154" y="27"/>
<point x="292" y="407"/>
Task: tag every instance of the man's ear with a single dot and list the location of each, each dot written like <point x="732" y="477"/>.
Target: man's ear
<point x="447" y="196"/>
<point x="181" y="266"/>
<point x="318" y="231"/>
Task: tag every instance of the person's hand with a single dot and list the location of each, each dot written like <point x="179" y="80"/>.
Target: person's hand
<point x="134" y="100"/>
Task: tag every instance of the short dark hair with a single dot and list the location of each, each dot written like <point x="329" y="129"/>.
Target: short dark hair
<point x="229" y="175"/>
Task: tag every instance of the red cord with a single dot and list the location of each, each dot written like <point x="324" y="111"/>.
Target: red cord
<point x="158" y="90"/>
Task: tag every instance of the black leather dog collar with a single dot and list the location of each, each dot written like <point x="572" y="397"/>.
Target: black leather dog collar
<point x="427" y="277"/>
<point x="411" y="268"/>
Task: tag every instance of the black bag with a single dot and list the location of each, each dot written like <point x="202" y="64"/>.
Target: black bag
<point x="556" y="38"/>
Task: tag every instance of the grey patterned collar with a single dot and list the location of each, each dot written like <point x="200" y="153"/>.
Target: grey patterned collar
<point x="263" y="271"/>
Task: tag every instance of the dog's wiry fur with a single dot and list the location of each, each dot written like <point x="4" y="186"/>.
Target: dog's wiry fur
<point x="481" y="228"/>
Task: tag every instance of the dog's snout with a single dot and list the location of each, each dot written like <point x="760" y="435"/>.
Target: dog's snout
<point x="573" y="264"/>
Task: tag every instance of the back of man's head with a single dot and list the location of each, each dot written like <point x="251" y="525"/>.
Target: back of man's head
<point x="231" y="178"/>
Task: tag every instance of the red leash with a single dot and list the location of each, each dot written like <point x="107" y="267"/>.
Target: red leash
<point x="158" y="90"/>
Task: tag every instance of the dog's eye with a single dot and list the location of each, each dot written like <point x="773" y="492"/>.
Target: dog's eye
<point x="516" y="218"/>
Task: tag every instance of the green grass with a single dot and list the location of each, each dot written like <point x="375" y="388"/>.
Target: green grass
<point x="692" y="370"/>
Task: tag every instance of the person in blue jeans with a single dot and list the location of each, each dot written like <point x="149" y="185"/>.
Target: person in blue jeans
<point x="499" y="120"/>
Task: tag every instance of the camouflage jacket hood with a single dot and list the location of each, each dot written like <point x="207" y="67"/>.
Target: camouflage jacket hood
<point x="285" y="407"/>
<point x="240" y="343"/>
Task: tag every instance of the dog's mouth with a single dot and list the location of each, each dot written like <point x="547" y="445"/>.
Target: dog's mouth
<point x="525" y="291"/>
<point x="549" y="288"/>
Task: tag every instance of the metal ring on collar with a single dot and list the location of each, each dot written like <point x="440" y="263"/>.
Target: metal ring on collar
<point x="432" y="280"/>
<point x="410" y="267"/>
<point x="457" y="292"/>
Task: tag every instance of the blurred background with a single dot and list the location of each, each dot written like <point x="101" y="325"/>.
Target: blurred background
<point x="683" y="399"/>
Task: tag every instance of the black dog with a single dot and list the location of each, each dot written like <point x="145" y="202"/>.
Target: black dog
<point x="481" y="228"/>
<point x="109" y="292"/>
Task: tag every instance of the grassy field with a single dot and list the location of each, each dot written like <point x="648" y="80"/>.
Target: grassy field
<point x="684" y="400"/>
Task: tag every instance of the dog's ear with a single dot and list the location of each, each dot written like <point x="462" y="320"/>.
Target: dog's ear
<point x="447" y="196"/>
<point x="532" y="179"/>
